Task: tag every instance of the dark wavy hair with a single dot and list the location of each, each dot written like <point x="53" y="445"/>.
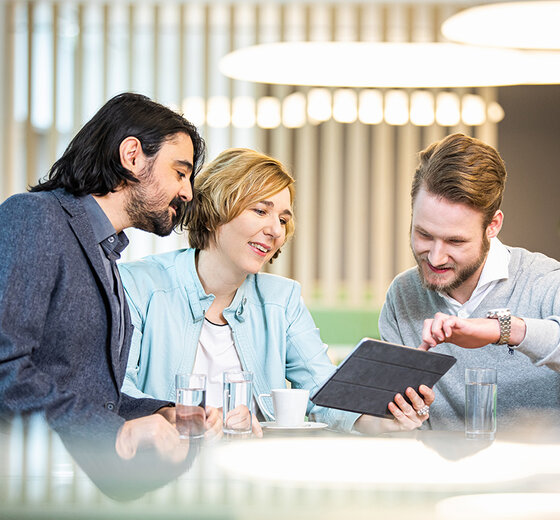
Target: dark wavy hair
<point x="91" y="164"/>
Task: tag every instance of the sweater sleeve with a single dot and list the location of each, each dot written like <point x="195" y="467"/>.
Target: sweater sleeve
<point x="542" y="342"/>
<point x="542" y="319"/>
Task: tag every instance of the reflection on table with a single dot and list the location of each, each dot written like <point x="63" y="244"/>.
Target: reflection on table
<point x="317" y="474"/>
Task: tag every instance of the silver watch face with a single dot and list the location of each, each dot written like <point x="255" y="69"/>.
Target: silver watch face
<point x="498" y="313"/>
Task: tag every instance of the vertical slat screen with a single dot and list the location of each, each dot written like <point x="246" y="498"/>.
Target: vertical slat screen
<point x="7" y="57"/>
<point x="488" y="132"/>
<point x="330" y="212"/>
<point x="408" y="144"/>
<point x="381" y="195"/>
<point x="32" y="85"/>
<point x="353" y="179"/>
<point x="331" y="162"/>
<point x="5" y="21"/>
<point x="305" y="240"/>
<point x="280" y="147"/>
<point x="77" y="67"/>
<point x="53" y="132"/>
<point x="356" y="232"/>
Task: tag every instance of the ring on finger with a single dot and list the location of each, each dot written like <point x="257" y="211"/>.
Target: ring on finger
<point x="423" y="411"/>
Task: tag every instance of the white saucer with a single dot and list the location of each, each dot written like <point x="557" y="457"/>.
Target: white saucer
<point x="271" y="425"/>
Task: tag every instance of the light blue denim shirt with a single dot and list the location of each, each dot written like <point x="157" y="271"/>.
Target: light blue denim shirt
<point x="274" y="333"/>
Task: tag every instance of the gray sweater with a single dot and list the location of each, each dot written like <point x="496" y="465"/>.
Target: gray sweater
<point x="528" y="380"/>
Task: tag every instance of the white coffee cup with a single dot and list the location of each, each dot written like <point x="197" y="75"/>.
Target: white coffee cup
<point x="290" y="405"/>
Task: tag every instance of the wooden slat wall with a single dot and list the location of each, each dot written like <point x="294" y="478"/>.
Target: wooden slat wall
<point x="353" y="180"/>
<point x="7" y="16"/>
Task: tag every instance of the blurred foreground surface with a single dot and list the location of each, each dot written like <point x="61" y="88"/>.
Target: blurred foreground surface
<point x="320" y="474"/>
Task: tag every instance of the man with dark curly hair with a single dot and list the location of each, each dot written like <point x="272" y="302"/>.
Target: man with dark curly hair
<point x="64" y="322"/>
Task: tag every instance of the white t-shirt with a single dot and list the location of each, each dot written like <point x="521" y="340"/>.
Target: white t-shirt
<point x="215" y="355"/>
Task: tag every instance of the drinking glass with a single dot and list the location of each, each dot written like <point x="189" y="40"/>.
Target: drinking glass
<point x="190" y="405"/>
<point x="480" y="403"/>
<point x="238" y="392"/>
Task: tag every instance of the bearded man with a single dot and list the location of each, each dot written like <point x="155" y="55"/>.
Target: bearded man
<point x="500" y="304"/>
<point x="64" y="322"/>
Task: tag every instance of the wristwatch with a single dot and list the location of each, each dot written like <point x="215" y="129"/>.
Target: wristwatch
<point x="504" y="319"/>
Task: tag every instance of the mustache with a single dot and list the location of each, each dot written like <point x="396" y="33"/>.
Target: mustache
<point x="424" y="258"/>
<point x="180" y="208"/>
<point x="444" y="266"/>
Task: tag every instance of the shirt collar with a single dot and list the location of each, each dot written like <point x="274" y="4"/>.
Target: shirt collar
<point x="496" y="266"/>
<point x="105" y="234"/>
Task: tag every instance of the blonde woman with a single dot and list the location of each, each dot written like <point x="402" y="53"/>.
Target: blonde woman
<point x="209" y="309"/>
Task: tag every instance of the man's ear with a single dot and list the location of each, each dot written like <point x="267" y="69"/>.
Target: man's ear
<point x="131" y="155"/>
<point x="495" y="224"/>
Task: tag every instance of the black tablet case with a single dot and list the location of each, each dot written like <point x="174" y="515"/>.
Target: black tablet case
<point x="375" y="371"/>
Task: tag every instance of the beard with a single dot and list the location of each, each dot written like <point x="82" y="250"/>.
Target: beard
<point x="148" y="209"/>
<point x="461" y="274"/>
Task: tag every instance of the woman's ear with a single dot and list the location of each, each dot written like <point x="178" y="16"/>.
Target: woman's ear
<point x="131" y="155"/>
<point x="495" y="224"/>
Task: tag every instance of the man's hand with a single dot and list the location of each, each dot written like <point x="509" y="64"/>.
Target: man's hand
<point x="467" y="332"/>
<point x="151" y="431"/>
<point x="169" y="412"/>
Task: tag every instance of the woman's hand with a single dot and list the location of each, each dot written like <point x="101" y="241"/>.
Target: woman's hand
<point x="213" y="423"/>
<point x="239" y="418"/>
<point x="409" y="417"/>
<point x="406" y="417"/>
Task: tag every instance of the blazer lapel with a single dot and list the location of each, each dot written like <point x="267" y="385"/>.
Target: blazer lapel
<point x="128" y="329"/>
<point x="81" y="227"/>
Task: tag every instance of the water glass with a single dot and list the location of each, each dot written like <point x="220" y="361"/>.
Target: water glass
<point x="480" y="403"/>
<point x="190" y="405"/>
<point x="238" y="394"/>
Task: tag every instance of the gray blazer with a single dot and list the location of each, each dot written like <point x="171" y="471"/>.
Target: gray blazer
<point x="58" y="346"/>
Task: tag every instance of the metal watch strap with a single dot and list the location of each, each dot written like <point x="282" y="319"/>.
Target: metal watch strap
<point x="504" y="319"/>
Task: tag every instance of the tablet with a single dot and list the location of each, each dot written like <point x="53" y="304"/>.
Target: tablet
<point x="375" y="371"/>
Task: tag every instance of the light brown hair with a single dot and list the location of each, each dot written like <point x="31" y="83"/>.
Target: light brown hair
<point x="462" y="169"/>
<point x="234" y="180"/>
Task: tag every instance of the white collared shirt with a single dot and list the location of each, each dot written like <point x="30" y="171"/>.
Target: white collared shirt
<point x="494" y="270"/>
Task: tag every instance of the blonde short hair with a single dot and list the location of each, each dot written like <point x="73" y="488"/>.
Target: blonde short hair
<point x="229" y="184"/>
